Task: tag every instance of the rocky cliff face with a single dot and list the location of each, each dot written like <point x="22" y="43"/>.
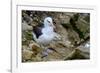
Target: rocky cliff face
<point x="74" y="31"/>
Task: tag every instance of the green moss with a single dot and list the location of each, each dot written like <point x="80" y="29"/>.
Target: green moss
<point x="28" y="35"/>
<point x="87" y="18"/>
<point x="72" y="22"/>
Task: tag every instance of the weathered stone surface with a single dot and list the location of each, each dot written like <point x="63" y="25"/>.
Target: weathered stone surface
<point x="25" y="26"/>
<point x="26" y="55"/>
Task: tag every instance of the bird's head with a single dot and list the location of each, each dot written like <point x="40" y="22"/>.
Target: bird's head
<point x="48" y="22"/>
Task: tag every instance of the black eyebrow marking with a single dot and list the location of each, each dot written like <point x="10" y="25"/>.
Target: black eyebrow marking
<point x="48" y="21"/>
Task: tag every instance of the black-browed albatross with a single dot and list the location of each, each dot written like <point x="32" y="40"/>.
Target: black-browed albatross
<point x="44" y="34"/>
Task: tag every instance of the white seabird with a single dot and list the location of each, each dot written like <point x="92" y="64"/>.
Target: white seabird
<point x="44" y="34"/>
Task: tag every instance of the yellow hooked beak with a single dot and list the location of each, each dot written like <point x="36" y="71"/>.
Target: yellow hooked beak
<point x="52" y="25"/>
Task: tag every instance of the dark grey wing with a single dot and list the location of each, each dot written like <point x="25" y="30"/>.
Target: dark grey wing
<point x="38" y="31"/>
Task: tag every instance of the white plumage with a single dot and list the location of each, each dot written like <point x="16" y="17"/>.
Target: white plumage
<point x="48" y="33"/>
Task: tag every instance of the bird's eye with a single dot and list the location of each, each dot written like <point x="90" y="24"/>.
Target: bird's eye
<point x="48" y="21"/>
